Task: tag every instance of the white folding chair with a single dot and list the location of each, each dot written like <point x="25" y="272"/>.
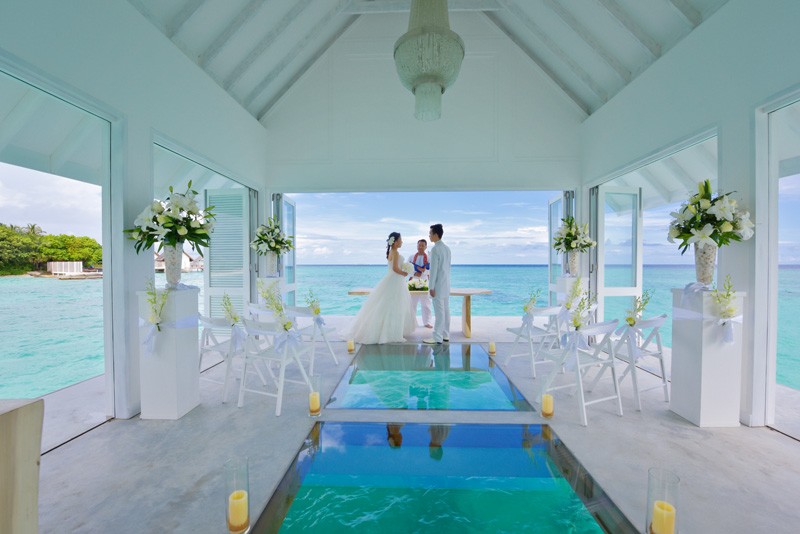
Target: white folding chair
<point x="228" y="348"/>
<point x="269" y="343"/>
<point x="538" y="339"/>
<point x="637" y="342"/>
<point x="578" y="354"/>
<point x="311" y="331"/>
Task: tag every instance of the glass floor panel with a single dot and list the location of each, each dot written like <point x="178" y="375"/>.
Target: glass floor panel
<point x="376" y="477"/>
<point x="450" y="376"/>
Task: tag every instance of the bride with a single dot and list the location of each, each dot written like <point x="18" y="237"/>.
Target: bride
<point x="386" y="316"/>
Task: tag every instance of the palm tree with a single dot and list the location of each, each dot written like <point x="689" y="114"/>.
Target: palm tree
<point x="34" y="229"/>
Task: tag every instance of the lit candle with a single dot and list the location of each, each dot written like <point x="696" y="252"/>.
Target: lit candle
<point x="663" y="518"/>
<point x="238" y="512"/>
<point x="492" y="348"/>
<point x="313" y="404"/>
<point x="547" y="406"/>
<point x="351" y="345"/>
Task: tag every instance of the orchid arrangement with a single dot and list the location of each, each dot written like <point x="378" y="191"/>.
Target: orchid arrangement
<point x="709" y="220"/>
<point x="270" y="238"/>
<point x="417" y="283"/>
<point x="173" y="220"/>
<point x="312" y="302"/>
<point x="534" y="296"/>
<point x="272" y="300"/>
<point x="639" y="304"/>
<point x="156" y="301"/>
<point x="724" y="299"/>
<point x="230" y="312"/>
<point x="575" y="294"/>
<point x="571" y="236"/>
<point x="581" y="312"/>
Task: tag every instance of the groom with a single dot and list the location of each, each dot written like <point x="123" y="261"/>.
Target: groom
<point x="439" y="285"/>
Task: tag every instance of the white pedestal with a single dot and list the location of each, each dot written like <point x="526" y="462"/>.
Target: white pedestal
<point x="564" y="286"/>
<point x="706" y="371"/>
<point x="170" y="376"/>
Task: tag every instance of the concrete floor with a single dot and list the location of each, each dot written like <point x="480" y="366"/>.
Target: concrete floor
<point x="166" y="476"/>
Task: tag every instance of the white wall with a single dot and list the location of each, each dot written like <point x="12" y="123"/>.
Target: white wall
<point x="105" y="51"/>
<point x="717" y="78"/>
<point x="348" y="124"/>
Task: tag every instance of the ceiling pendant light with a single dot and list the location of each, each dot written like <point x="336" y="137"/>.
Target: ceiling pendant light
<point x="428" y="56"/>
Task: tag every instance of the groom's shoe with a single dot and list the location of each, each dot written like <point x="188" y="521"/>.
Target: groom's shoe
<point x="446" y="340"/>
<point x="431" y="341"/>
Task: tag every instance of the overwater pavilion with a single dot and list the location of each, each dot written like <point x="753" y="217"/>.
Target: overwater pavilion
<point x="551" y="95"/>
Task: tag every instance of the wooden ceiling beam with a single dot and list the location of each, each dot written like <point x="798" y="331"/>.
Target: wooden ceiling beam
<point x="182" y="17"/>
<point x="687" y="12"/>
<point x="219" y="43"/>
<point x="633" y="27"/>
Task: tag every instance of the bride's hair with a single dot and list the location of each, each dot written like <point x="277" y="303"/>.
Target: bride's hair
<point x="394" y="236"/>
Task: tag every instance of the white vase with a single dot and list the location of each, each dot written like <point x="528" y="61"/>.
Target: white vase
<point x="572" y="262"/>
<point x="173" y="256"/>
<point x="704" y="261"/>
<point x="272" y="264"/>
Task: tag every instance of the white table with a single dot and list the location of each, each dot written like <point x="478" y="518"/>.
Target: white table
<point x="466" y="306"/>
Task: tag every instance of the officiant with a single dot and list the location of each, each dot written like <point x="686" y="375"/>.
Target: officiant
<point x="422" y="268"/>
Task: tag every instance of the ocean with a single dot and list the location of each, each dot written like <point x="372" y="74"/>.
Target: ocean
<point x="52" y="329"/>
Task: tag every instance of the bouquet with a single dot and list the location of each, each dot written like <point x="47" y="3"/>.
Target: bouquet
<point x="570" y="236"/>
<point x="639" y="304"/>
<point x="408" y="267"/>
<point x="174" y="220"/>
<point x="312" y="302"/>
<point x="724" y="300"/>
<point x="534" y="296"/>
<point x="230" y="313"/>
<point x="709" y="220"/>
<point x="270" y="238"/>
<point x="417" y="283"/>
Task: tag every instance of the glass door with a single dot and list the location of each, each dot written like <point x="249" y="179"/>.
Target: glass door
<point x="558" y="208"/>
<point x="618" y="232"/>
<point x="285" y="210"/>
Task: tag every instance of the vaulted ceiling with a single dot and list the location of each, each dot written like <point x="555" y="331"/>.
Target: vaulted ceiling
<point x="257" y="49"/>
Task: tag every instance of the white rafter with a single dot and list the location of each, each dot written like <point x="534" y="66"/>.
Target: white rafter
<point x="680" y="173"/>
<point x="185" y="13"/>
<point x="365" y="7"/>
<point x="633" y="27"/>
<point x="654" y="182"/>
<point x="265" y="43"/>
<point x="689" y="13"/>
<point x="540" y="34"/>
<point x="582" y="104"/>
<point x="74" y="140"/>
<point x="16" y="119"/>
<point x="584" y="33"/>
<point x="218" y="44"/>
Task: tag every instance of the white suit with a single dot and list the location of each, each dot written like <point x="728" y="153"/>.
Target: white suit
<point x="439" y="282"/>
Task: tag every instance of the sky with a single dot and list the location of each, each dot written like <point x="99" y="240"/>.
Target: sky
<point x="499" y="227"/>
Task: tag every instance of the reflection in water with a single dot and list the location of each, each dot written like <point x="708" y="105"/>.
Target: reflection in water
<point x="393" y="435"/>
<point x="438" y="434"/>
<point x="449" y="376"/>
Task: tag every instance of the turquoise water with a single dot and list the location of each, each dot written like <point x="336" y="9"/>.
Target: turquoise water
<point x="53" y="335"/>
<point x="433" y="478"/>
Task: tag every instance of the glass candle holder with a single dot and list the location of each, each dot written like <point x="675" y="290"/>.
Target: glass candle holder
<point x="492" y="348"/>
<point x="351" y="345"/>
<point x="237" y="495"/>
<point x="314" y="405"/>
<point x="547" y="406"/>
<point x="662" y="501"/>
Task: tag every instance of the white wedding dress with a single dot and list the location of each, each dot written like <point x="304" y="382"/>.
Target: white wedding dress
<point x="386" y="316"/>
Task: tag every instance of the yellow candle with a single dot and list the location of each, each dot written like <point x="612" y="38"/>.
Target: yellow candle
<point x="492" y="348"/>
<point x="351" y="345"/>
<point x="238" y="512"/>
<point x="313" y="403"/>
<point x="663" y="518"/>
<point x="547" y="406"/>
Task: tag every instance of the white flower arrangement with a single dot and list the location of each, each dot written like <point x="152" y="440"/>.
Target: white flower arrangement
<point x="709" y="220"/>
<point x="270" y="238"/>
<point x="174" y="220"/>
<point x="312" y="302"/>
<point x="571" y="236"/>
<point x="417" y="283"/>
<point x="407" y="267"/>
<point x="726" y="308"/>
<point x="534" y="296"/>
<point x="639" y="304"/>
<point x="156" y="301"/>
<point x="230" y="311"/>
<point x="581" y="312"/>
